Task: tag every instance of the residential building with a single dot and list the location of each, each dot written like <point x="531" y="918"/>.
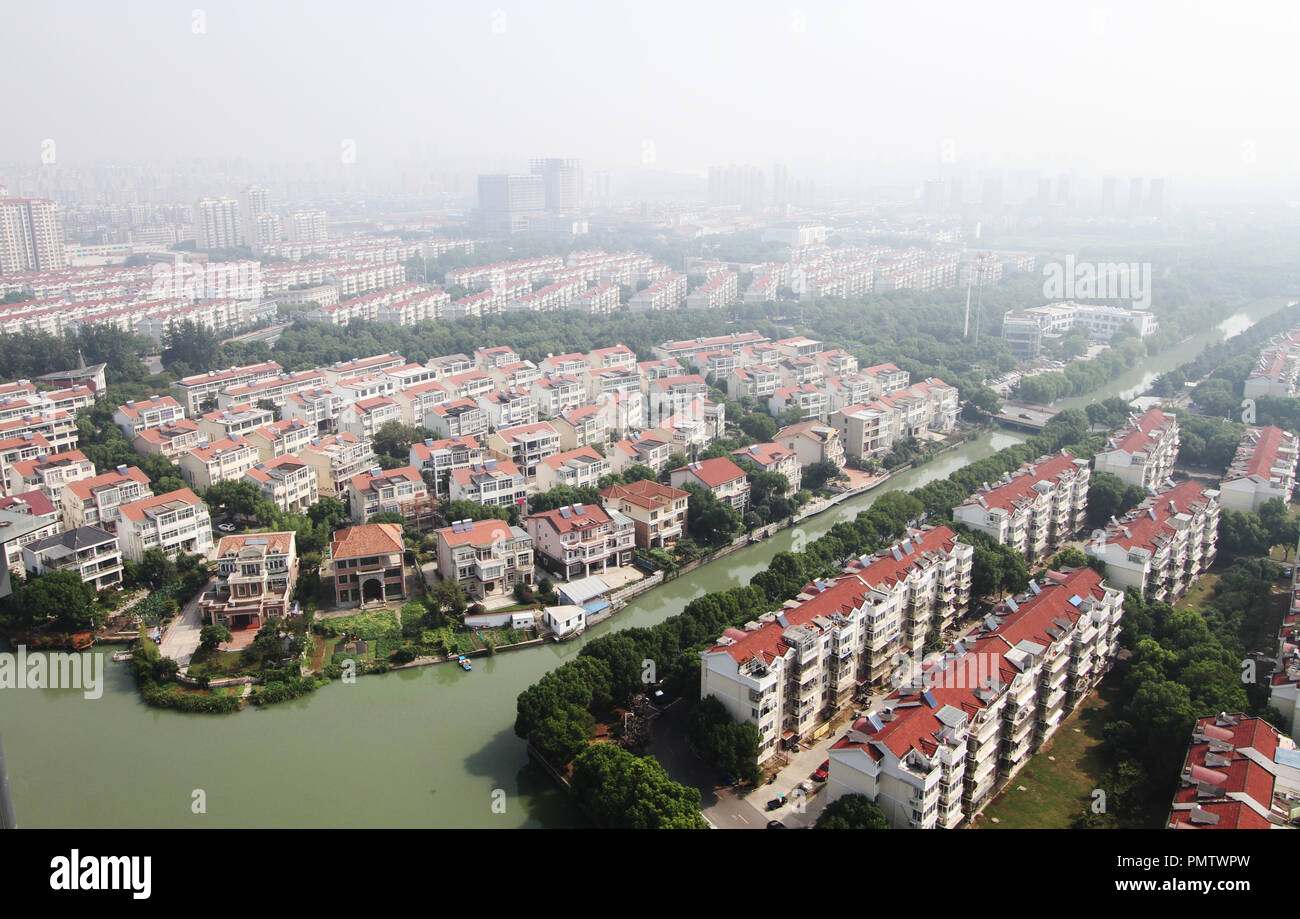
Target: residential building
<point x="367" y="563"/>
<point x="395" y="491"/>
<point x="487" y="558"/>
<point x="792" y="669"/>
<point x="256" y="576"/>
<point x="287" y="482"/>
<point x="967" y="721"/>
<point x="156" y="412"/>
<point x="721" y="476"/>
<point x="281" y="437"/>
<point x="364" y="418"/>
<point x="336" y="459"/>
<point x="638" y="449"/>
<point x="49" y="473"/>
<point x="39" y="517"/>
<point x="99" y="500"/>
<point x="89" y="551"/>
<point x="813" y="442"/>
<point x="495" y="482"/>
<point x="1240" y="773"/>
<point x="1263" y="469"/>
<point x="658" y="512"/>
<point x="1040" y="507"/>
<point x="30" y="237"/>
<point x="218" y="461"/>
<point x="437" y="458"/>
<point x="1143" y="453"/>
<point x="174" y="522"/>
<point x="1163" y="545"/>
<point x="461" y="418"/>
<point x="197" y="391"/>
<point x="526" y="445"/>
<point x="580" y="468"/>
<point x="579" y="540"/>
<point x="772" y="457"/>
<point x="236" y="421"/>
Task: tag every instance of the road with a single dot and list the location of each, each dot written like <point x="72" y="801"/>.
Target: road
<point x="181" y="639"/>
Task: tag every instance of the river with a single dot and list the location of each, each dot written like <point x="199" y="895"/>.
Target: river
<point x="429" y="747"/>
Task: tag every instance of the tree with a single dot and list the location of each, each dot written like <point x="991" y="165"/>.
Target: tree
<point x="852" y="812"/>
<point x="210" y="636"/>
<point x="619" y="790"/>
<point x="760" y="426"/>
<point x="157" y="570"/>
<point x="61" y="598"/>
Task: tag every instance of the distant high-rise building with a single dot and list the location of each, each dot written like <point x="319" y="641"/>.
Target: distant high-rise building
<point x="1134" y="197"/>
<point x="216" y="223"/>
<point x="259" y="226"/>
<point x="30" y="239"/>
<point x="730" y="186"/>
<point x="1108" y="196"/>
<point x="307" y="226"/>
<point x="1156" y="198"/>
<point x="932" y="197"/>
<point x="602" y="186"/>
<point x="507" y="200"/>
<point x="992" y="201"/>
<point x="561" y="184"/>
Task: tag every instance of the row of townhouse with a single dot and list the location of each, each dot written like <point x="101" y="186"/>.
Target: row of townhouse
<point x="964" y="723"/>
<point x="1284" y="681"/>
<point x="1163" y="545"/>
<point x="196" y="392"/>
<point x="490" y="557"/>
<point x="1040" y="507"/>
<point x="916" y="411"/>
<point x="789" y="671"/>
<point x="1262" y="469"/>
<point x="1143" y="452"/>
<point x="1240" y="773"/>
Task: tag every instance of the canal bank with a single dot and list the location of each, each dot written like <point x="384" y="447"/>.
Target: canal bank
<point x="424" y="747"/>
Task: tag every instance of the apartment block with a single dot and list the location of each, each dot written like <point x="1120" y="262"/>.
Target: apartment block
<point x="218" y="461"/>
<point x="495" y="482"/>
<point x="1039" y="507"/>
<point x="287" y="482"/>
<point x="49" y="473"/>
<point x="1263" y="469"/>
<point x="791" y="669"/>
<point x="1163" y="545"/>
<point x="174" y="522"/>
<point x="98" y="501"/>
<point x="1240" y="773"/>
<point x="1143" y="453"/>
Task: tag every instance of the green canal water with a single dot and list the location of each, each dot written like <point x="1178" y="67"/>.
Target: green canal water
<point x="430" y="747"/>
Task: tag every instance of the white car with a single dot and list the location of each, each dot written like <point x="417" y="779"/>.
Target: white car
<point x="226" y="527"/>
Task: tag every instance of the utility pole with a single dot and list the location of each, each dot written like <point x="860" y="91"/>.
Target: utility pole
<point x="8" y="820"/>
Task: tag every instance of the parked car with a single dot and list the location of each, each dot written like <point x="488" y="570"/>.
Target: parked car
<point x="776" y="802"/>
<point x="822" y="772"/>
<point x="776" y="825"/>
<point x="226" y="527"/>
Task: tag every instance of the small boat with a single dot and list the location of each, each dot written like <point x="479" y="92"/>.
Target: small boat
<point x="120" y="656"/>
<point x="464" y="663"/>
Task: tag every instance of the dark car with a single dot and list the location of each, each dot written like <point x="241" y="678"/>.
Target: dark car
<point x="776" y="802"/>
<point x="776" y="825"/>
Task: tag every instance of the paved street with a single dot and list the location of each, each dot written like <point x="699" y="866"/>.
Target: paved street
<point x="181" y="639"/>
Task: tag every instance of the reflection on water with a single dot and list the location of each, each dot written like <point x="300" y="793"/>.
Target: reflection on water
<point x="1235" y="324"/>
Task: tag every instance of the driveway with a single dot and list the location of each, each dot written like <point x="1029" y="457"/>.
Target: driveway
<point x="181" y="639"/>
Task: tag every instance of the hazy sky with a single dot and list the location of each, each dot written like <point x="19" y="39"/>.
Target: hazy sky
<point x="1153" y="88"/>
